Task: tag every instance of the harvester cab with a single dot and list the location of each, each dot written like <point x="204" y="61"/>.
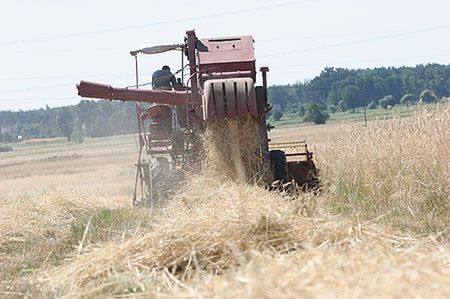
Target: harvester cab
<point x="221" y="84"/>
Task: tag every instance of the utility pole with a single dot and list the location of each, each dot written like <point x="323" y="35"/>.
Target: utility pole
<point x="365" y="117"/>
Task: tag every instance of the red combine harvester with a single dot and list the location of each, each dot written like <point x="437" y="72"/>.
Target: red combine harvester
<point x="221" y="84"/>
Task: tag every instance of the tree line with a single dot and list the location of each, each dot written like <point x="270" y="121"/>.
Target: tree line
<point x="347" y="89"/>
<point x="333" y="89"/>
<point x="86" y="119"/>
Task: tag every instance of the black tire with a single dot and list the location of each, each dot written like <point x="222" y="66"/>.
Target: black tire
<point x="305" y="175"/>
<point x="279" y="166"/>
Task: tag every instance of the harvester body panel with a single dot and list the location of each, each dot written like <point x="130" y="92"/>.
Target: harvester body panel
<point x="226" y="55"/>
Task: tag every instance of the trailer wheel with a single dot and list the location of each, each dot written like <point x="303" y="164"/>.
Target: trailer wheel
<point x="305" y="174"/>
<point x="279" y="166"/>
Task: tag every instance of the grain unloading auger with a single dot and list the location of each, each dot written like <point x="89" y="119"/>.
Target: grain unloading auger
<point x="221" y="85"/>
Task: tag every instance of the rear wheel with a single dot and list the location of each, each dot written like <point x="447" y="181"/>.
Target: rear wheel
<point x="279" y="166"/>
<point x="305" y="174"/>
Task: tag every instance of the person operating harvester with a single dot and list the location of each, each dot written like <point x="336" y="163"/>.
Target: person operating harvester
<point x="163" y="79"/>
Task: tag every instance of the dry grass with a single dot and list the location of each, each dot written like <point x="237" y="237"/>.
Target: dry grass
<point x="209" y="241"/>
<point x="399" y="169"/>
<point x="378" y="229"/>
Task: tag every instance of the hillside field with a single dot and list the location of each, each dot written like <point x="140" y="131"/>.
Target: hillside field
<point x="378" y="228"/>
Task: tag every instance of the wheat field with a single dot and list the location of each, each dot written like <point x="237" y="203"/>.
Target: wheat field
<point x="378" y="228"/>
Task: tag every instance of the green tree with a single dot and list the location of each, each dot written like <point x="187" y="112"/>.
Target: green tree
<point x="65" y="123"/>
<point x="372" y="105"/>
<point x="301" y="111"/>
<point x="351" y="95"/>
<point x="342" y="106"/>
<point x="387" y="101"/>
<point x="428" y="96"/>
<point x="277" y="115"/>
<point x="317" y="114"/>
<point x="407" y="98"/>
<point x="332" y="108"/>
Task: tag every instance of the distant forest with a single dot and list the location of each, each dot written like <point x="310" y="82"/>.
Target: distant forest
<point x="347" y="89"/>
<point x="333" y="89"/>
<point x="86" y="119"/>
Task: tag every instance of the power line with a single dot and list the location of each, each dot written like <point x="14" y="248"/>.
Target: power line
<point x="38" y="99"/>
<point x="66" y="50"/>
<point x="40" y="78"/>
<point x="334" y="35"/>
<point x="358" y="41"/>
<point x="276" y="54"/>
<point x="68" y="77"/>
<point x="361" y="60"/>
<point x="275" y="66"/>
<point x="47" y="99"/>
<point x="36" y="87"/>
<point x="390" y="35"/>
<point x="63" y="84"/>
<point x="64" y="36"/>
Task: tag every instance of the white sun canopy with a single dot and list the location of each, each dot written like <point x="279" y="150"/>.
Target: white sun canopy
<point x="156" y="49"/>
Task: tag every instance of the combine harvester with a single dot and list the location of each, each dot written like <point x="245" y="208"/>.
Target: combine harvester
<point x="221" y="85"/>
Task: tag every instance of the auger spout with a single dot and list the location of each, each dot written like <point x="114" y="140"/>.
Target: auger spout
<point x="88" y="89"/>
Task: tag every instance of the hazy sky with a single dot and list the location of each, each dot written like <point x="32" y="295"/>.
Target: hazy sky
<point x="47" y="46"/>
